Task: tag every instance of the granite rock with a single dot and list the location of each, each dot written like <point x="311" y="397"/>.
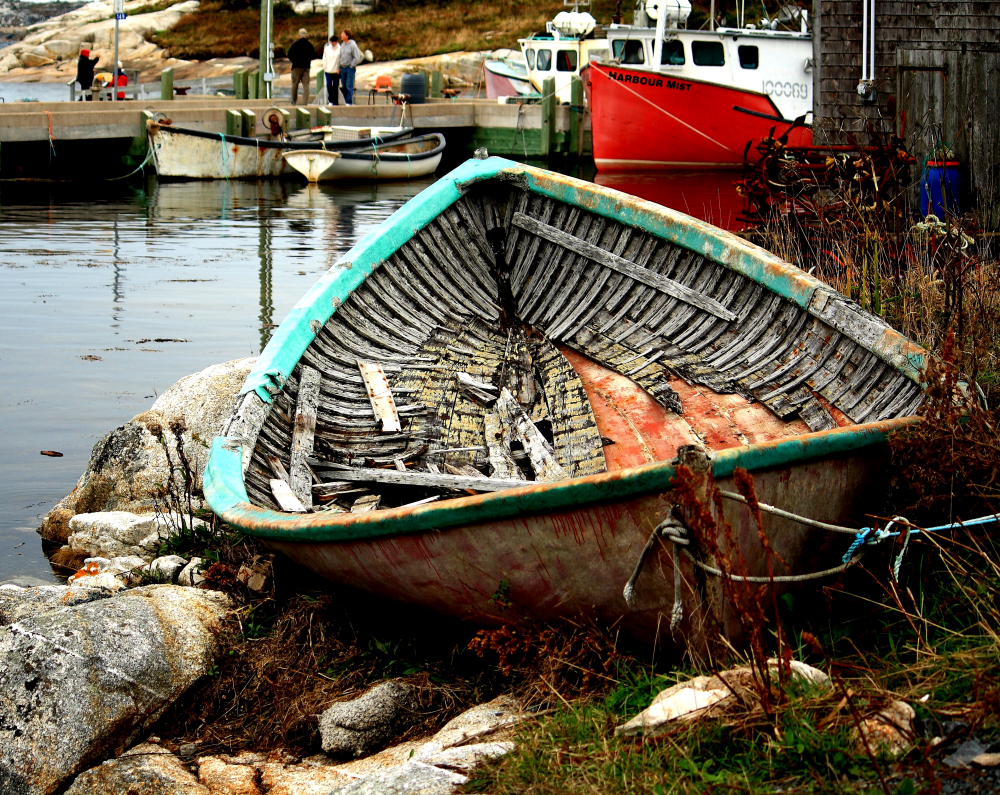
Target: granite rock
<point x="370" y="722"/>
<point x="129" y="467"/>
<point x="79" y="683"/>
<point x="146" y="769"/>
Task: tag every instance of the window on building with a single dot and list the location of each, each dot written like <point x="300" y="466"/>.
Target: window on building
<point x="749" y="57"/>
<point x="566" y="61"/>
<point x="529" y="55"/>
<point x="628" y="51"/>
<point x="708" y="53"/>
<point x="544" y="60"/>
<point x="673" y="53"/>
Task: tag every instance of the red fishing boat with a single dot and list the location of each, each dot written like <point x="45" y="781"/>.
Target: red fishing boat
<point x="675" y="98"/>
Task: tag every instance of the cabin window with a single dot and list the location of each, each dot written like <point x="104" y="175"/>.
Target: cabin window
<point x="707" y="53"/>
<point x="749" y="57"/>
<point x="544" y="60"/>
<point x="529" y="55"/>
<point x="673" y="53"/>
<point x="628" y="51"/>
<point x="566" y="61"/>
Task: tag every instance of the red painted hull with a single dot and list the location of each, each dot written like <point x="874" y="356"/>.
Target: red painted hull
<point x="647" y="120"/>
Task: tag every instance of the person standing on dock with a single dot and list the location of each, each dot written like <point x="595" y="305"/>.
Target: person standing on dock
<point x="301" y="54"/>
<point x="85" y="71"/>
<point x="331" y="69"/>
<point x="350" y="57"/>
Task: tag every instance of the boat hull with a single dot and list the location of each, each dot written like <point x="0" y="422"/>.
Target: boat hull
<point x="501" y="81"/>
<point x="649" y="120"/>
<point x="576" y="562"/>
<point x="376" y="163"/>
<point x="188" y="157"/>
<point x="180" y="153"/>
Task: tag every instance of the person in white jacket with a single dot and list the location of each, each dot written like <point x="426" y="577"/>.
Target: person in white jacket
<point x="350" y="57"/>
<point x="331" y="69"/>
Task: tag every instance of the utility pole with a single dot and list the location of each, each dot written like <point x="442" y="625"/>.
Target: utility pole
<point x="119" y="16"/>
<point x="266" y="58"/>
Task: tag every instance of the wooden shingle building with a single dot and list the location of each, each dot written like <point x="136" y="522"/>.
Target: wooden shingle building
<point x="929" y="71"/>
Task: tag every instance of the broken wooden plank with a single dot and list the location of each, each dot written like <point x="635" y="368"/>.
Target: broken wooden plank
<point x="467" y="380"/>
<point x="285" y="498"/>
<point x="463" y="469"/>
<point x="303" y="434"/>
<point x="428" y="479"/>
<point x="521" y="428"/>
<point x="380" y="395"/>
<point x="498" y="443"/>
<point x="277" y="467"/>
<point x="365" y="504"/>
<point x="424" y="501"/>
<point x="622" y="265"/>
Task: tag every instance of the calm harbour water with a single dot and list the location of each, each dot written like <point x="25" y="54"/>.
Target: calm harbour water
<point x="110" y="293"/>
<point x="90" y="280"/>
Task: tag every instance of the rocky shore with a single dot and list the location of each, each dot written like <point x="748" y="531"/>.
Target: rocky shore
<point x="48" y="50"/>
<point x="87" y="668"/>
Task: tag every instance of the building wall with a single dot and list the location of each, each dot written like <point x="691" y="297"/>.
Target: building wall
<point x="937" y="79"/>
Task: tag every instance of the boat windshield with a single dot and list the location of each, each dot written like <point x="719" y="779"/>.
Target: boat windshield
<point x="628" y="51"/>
<point x="673" y="53"/>
<point x="566" y="61"/>
<point x="708" y="53"/>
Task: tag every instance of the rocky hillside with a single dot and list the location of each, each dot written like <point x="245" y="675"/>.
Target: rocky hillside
<point x="20" y="15"/>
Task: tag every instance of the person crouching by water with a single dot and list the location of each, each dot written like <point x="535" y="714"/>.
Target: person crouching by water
<point x="331" y="69"/>
<point x="350" y="57"/>
<point x="301" y="54"/>
<point x="85" y="72"/>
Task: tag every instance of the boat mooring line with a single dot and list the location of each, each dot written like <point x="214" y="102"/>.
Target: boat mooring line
<point x="676" y="531"/>
<point x="836" y="528"/>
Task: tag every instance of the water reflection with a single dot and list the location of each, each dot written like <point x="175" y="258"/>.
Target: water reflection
<point x="110" y="293"/>
<point x="710" y="195"/>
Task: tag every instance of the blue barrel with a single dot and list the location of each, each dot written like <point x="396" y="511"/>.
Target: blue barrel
<point x="414" y="84"/>
<point x="941" y="188"/>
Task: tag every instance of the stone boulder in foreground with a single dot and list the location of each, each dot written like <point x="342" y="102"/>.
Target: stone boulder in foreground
<point x="129" y="467"/>
<point x="79" y="683"/>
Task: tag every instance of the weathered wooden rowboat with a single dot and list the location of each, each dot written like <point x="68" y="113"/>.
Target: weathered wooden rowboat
<point x="414" y="157"/>
<point x="510" y="323"/>
<point x="183" y="153"/>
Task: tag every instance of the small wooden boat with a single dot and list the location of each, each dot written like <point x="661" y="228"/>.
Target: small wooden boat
<point x="184" y="153"/>
<point x="478" y="408"/>
<point x="414" y="157"/>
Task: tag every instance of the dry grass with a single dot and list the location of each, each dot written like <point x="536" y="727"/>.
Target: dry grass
<point x="393" y="32"/>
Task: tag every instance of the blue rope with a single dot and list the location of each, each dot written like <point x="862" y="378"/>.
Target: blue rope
<point x="870" y="536"/>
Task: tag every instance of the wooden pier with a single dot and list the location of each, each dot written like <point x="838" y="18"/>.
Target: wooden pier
<point x="67" y="139"/>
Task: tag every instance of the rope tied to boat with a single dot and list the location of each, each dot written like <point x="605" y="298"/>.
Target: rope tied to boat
<point x="674" y="530"/>
<point x="138" y="168"/>
<point x="225" y="155"/>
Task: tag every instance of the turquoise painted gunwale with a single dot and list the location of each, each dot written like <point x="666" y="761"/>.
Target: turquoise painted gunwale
<point x="224" y="485"/>
<point x="226" y="493"/>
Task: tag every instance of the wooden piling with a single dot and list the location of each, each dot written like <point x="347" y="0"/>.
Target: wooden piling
<point x="302" y="120"/>
<point x="435" y="84"/>
<point x="323" y="116"/>
<point x="548" y="116"/>
<point x="167" y="83"/>
<point x="234" y="122"/>
<point x="240" y="84"/>
<point x="576" y="117"/>
<point x="253" y="84"/>
<point x="249" y="123"/>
